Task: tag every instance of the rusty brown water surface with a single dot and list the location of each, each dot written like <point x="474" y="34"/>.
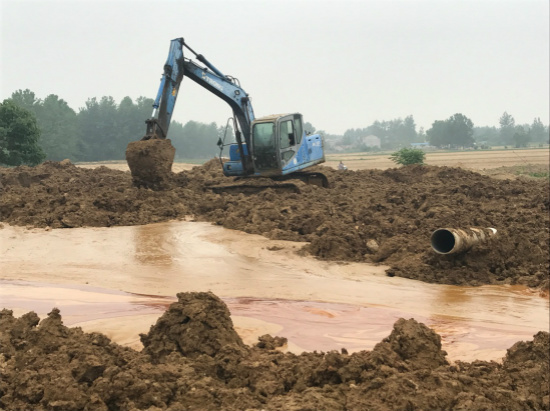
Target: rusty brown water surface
<point x="119" y="280"/>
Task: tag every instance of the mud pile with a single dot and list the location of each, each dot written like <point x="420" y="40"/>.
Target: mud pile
<point x="150" y="162"/>
<point x="365" y="216"/>
<point x="194" y="360"/>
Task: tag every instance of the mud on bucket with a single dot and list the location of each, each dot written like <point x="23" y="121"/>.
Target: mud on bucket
<point x="150" y="162"/>
<point x="456" y="240"/>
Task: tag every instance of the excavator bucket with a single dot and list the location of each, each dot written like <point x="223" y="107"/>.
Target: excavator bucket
<point x="150" y="162"/>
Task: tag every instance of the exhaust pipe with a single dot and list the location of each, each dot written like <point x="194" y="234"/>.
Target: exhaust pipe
<point x="456" y="240"/>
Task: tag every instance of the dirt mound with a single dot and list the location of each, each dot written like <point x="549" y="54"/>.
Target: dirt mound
<point x="47" y="366"/>
<point x="414" y="343"/>
<point x="370" y="215"/>
<point x="195" y="325"/>
<point x="61" y="195"/>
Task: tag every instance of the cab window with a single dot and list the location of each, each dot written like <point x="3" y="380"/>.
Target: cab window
<point x="286" y="134"/>
<point x="298" y="128"/>
<point x="263" y="135"/>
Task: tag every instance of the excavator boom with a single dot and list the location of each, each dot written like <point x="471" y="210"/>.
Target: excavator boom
<point x="289" y="149"/>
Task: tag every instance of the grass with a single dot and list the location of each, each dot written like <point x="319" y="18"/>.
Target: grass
<point x="539" y="174"/>
<point x="528" y="170"/>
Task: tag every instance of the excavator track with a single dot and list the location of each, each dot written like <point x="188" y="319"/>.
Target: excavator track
<point x="280" y="184"/>
<point x="248" y="189"/>
<point x="312" y="178"/>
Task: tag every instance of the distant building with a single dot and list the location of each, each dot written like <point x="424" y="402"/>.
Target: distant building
<point x="369" y="141"/>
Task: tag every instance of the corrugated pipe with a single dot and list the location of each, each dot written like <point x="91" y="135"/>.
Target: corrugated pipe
<point x="457" y="240"/>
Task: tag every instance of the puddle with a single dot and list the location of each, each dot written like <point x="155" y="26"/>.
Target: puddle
<point x="119" y="280"/>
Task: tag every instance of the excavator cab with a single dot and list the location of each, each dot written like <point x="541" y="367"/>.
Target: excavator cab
<point x="278" y="146"/>
<point x="275" y="142"/>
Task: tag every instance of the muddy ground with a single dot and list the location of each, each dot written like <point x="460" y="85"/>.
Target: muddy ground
<point x="193" y="359"/>
<point x="365" y="216"/>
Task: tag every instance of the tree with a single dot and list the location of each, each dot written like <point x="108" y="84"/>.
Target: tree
<point x="56" y="121"/>
<point x="19" y="136"/>
<point x="521" y="137"/>
<point x="408" y="133"/>
<point x="486" y="135"/>
<point x="109" y="126"/>
<point x="407" y="156"/>
<point x="461" y="130"/>
<point x="131" y="120"/>
<point x="457" y="131"/>
<point x="421" y="135"/>
<point x="103" y="131"/>
<point x="195" y="140"/>
<point x="538" y="132"/>
<point x="308" y="128"/>
<point x="507" y="128"/>
<point x="26" y="99"/>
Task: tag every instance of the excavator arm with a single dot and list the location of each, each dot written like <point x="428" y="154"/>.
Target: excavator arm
<point x="163" y="107"/>
<point x="208" y="76"/>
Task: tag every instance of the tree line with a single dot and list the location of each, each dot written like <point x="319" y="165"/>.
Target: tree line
<point x="457" y="131"/>
<point x="100" y="131"/>
<point x="33" y="130"/>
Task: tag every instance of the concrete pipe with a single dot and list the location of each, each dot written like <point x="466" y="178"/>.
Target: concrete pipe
<point x="456" y="240"/>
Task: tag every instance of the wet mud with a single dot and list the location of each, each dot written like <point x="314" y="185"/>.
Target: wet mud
<point x="484" y="327"/>
<point x="194" y="359"/>
<point x="365" y="216"/>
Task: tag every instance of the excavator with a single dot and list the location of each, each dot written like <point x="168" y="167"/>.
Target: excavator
<point x="275" y="146"/>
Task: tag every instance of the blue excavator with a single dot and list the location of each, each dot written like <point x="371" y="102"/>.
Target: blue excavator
<point x="275" y="146"/>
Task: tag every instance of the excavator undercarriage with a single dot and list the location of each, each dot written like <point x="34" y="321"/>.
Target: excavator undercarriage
<point x="290" y="183"/>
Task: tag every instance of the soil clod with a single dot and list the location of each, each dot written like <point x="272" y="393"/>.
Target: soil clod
<point x="150" y="163"/>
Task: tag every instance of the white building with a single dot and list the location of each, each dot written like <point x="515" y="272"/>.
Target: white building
<point x="369" y="141"/>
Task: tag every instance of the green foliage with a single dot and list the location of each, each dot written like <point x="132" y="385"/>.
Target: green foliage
<point x="197" y="140"/>
<point x="486" y="136"/>
<point x="407" y="156"/>
<point x="535" y="172"/>
<point x="540" y="174"/>
<point x="100" y="135"/>
<point x="102" y="129"/>
<point x="308" y="128"/>
<point x="538" y="132"/>
<point x="19" y="136"/>
<point x="507" y="128"/>
<point x="521" y="137"/>
<point x="456" y="131"/>
<point x="56" y="121"/>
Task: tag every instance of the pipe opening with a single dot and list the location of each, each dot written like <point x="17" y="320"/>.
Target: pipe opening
<point x="443" y="241"/>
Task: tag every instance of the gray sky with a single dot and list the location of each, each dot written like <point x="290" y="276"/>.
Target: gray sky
<point x="342" y="64"/>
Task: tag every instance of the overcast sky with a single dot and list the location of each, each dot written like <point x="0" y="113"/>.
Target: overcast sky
<point x="342" y="64"/>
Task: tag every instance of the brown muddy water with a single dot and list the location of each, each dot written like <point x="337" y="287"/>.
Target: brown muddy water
<point x="119" y="280"/>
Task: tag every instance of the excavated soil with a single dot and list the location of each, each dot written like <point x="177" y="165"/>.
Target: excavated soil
<point x="150" y="162"/>
<point x="365" y="216"/>
<point x="194" y="360"/>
